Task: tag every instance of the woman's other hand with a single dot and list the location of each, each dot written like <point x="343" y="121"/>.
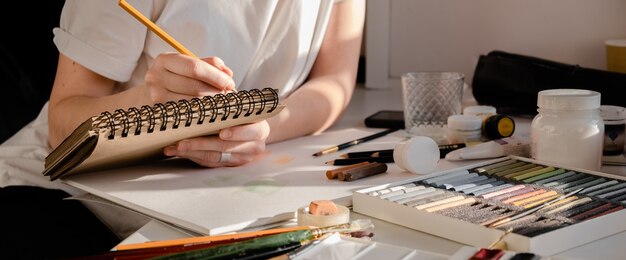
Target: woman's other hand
<point x="242" y="143"/>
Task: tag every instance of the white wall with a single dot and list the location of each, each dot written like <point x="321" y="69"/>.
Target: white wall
<point x="414" y="35"/>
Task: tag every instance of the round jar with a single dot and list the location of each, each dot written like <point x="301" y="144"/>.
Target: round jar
<point x="568" y="129"/>
<point x="463" y="129"/>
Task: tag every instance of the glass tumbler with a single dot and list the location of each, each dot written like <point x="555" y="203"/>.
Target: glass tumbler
<point x="429" y="98"/>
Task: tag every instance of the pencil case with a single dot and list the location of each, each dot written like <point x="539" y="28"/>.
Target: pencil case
<point x="510" y="82"/>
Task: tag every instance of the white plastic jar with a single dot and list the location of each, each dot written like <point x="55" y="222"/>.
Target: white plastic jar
<point x="463" y="129"/>
<point x="568" y="130"/>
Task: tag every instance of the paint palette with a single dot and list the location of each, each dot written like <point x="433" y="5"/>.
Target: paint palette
<point x="463" y="204"/>
<point x="342" y="247"/>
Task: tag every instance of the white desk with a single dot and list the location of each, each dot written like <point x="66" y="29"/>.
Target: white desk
<point x="366" y="102"/>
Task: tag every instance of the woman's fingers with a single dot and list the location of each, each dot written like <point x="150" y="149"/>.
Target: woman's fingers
<point x="174" y="73"/>
<point x="208" y="151"/>
<point x="219" y="64"/>
<point x="254" y="131"/>
<point x="216" y="159"/>
<point x="199" y="70"/>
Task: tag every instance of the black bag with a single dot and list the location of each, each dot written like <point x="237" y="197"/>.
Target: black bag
<point x="510" y="82"/>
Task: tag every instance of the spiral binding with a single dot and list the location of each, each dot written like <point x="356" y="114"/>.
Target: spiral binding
<point x="172" y="114"/>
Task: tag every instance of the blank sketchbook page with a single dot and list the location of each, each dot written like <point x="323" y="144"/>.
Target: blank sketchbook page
<point x="219" y="200"/>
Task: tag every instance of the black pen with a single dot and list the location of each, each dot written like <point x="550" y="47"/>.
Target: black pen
<point x="350" y="161"/>
<point x="355" y="142"/>
<point x="379" y="153"/>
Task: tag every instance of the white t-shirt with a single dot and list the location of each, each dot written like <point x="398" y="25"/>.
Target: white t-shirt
<point x="265" y="43"/>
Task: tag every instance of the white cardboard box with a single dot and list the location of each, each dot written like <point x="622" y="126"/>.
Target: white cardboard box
<point x="472" y="234"/>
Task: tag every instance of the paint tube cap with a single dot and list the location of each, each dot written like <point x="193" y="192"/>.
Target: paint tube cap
<point x="419" y="154"/>
<point x="498" y="126"/>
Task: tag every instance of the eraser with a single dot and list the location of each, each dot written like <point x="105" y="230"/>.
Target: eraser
<point x="323" y="207"/>
<point x="419" y="154"/>
<point x="305" y="218"/>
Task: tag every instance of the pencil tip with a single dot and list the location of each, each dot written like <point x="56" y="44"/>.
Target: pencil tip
<point x="330" y="162"/>
<point x="317" y="154"/>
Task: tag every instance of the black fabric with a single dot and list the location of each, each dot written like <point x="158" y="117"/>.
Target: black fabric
<point x="28" y="61"/>
<point x="510" y="82"/>
<point x="39" y="223"/>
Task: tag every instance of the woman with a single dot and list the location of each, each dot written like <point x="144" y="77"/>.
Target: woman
<point x="306" y="49"/>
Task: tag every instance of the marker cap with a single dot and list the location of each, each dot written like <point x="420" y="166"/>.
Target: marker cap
<point x="419" y="154"/>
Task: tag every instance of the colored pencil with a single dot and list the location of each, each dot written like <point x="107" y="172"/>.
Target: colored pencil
<point x="155" y="28"/>
<point x="209" y="239"/>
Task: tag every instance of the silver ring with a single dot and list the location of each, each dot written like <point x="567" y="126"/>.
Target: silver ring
<point x="225" y="157"/>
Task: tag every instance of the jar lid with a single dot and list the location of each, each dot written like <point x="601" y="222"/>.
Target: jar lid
<point x="612" y="112"/>
<point x="464" y="122"/>
<point x="568" y="99"/>
<point x="479" y="110"/>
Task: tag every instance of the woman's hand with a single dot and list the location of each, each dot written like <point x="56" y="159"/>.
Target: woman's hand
<point x="175" y="76"/>
<point x="243" y="142"/>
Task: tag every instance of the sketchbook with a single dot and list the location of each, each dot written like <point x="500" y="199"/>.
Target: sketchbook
<point x="138" y="135"/>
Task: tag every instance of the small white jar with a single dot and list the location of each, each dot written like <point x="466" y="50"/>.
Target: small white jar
<point x="463" y="129"/>
<point x="568" y="130"/>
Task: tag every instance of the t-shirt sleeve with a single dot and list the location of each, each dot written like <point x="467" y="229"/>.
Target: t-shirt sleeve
<point x="102" y="36"/>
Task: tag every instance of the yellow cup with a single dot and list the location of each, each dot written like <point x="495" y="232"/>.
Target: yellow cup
<point x="616" y="55"/>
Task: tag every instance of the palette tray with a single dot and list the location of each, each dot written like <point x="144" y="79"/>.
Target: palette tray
<point x="459" y="204"/>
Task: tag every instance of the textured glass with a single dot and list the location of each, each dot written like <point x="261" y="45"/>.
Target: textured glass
<point x="429" y="98"/>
